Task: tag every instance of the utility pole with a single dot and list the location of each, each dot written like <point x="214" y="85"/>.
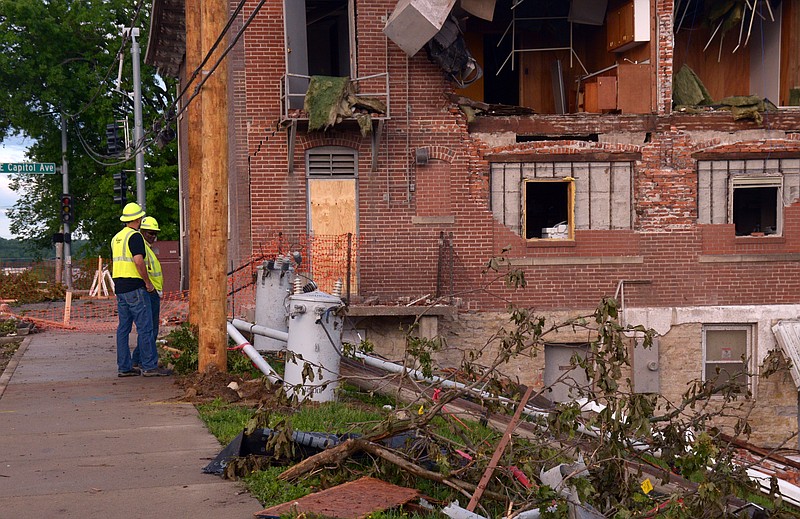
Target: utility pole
<point x="212" y="336"/>
<point x="65" y="189"/>
<point x="194" y="55"/>
<point x="138" y="133"/>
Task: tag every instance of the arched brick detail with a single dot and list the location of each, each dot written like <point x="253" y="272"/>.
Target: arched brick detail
<point x="436" y="153"/>
<point x="566" y="148"/>
<point x="790" y="144"/>
<point x="317" y="139"/>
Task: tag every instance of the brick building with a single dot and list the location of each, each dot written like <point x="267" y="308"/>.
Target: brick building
<point x="567" y="152"/>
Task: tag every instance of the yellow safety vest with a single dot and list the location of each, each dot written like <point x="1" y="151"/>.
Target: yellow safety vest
<point x="154" y="268"/>
<point x="123" y="266"/>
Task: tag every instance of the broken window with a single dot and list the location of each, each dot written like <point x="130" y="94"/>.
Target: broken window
<point x="750" y="194"/>
<point x="550" y="200"/>
<point x="726" y="349"/>
<point x="318" y="42"/>
<point x="755" y="205"/>
<point x="740" y="49"/>
<point x="548" y="55"/>
<point x="548" y="208"/>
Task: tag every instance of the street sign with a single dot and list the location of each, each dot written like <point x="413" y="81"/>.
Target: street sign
<point x="45" y="168"/>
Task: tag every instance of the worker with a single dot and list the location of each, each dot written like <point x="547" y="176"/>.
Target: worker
<point x="150" y="230"/>
<point x="132" y="285"/>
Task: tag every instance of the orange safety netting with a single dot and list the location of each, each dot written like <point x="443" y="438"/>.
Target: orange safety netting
<point x="30" y="291"/>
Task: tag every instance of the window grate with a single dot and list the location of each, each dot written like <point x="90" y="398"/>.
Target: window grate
<point x="331" y="161"/>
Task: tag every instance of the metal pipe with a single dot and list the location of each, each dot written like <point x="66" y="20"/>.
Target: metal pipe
<point x="251" y="352"/>
<point x="257" y="329"/>
<point x="417" y="375"/>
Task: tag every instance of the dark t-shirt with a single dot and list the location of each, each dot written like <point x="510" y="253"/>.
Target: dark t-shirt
<point x="122" y="285"/>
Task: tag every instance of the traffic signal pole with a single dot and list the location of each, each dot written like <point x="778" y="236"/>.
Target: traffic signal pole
<point x="65" y="189"/>
<point x="138" y="133"/>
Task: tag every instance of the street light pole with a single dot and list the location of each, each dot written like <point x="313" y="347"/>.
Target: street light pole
<point x="138" y="133"/>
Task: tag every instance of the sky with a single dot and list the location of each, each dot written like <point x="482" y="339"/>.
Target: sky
<point x="12" y="149"/>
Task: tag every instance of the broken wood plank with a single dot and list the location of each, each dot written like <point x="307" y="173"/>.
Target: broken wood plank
<point x="498" y="452"/>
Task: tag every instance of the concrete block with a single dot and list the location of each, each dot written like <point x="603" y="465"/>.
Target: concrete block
<point x="414" y="22"/>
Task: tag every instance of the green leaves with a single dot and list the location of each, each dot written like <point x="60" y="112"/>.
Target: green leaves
<point x="61" y="57"/>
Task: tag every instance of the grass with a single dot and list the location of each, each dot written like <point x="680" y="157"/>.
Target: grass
<point x="225" y="421"/>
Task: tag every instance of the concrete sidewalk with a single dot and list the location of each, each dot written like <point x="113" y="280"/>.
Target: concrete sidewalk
<point x="76" y="441"/>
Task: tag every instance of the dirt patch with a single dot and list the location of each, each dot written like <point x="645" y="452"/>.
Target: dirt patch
<point x="213" y="384"/>
<point x="7" y="351"/>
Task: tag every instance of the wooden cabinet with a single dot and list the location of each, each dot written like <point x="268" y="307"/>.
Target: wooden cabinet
<point x="627" y="25"/>
<point x="625" y="88"/>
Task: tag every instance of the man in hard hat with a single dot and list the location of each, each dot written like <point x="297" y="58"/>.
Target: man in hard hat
<point x="132" y="285"/>
<point x="149" y="229"/>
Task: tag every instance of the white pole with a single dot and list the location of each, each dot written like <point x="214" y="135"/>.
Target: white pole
<point x="138" y="133"/>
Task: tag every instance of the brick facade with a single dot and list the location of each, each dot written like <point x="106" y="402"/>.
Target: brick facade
<point x="403" y="207"/>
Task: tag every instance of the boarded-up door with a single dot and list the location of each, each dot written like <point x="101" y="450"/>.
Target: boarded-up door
<point x="332" y="216"/>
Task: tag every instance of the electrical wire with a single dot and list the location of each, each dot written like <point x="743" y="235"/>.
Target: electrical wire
<point x="118" y="56"/>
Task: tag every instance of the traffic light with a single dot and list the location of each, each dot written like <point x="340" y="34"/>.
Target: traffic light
<point x="121" y="188"/>
<point x="67" y="211"/>
<point x="112" y="137"/>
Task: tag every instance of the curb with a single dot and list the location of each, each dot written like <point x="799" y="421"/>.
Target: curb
<point x="12" y="364"/>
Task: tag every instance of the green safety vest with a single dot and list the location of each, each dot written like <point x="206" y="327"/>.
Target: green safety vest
<point x="123" y="266"/>
<point x="153" y="268"/>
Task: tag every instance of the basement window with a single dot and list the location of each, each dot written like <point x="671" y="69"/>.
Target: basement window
<point x="726" y="349"/>
<point x="549" y="209"/>
<point x="756" y="203"/>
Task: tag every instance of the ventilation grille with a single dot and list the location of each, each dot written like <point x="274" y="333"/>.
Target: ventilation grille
<point x="330" y="162"/>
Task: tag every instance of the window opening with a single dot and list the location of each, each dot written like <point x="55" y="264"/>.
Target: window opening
<point x="739" y="52"/>
<point x="328" y="37"/>
<point x="755" y="209"/>
<point x="541" y="55"/>
<point x="548" y="209"/>
<point x="725" y="353"/>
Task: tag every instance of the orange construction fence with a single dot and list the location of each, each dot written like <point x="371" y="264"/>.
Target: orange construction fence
<point x="30" y="291"/>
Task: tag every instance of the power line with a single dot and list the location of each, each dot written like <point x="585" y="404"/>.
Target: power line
<point x="100" y="86"/>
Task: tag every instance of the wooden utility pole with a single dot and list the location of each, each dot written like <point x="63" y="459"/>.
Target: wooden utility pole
<point x="194" y="154"/>
<point x="214" y="193"/>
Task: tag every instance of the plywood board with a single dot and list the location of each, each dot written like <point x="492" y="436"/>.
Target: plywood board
<point x="332" y="215"/>
<point x="633" y="91"/>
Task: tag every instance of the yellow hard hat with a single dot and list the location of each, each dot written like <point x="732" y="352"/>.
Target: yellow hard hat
<point x="149" y="224"/>
<point x="132" y="211"/>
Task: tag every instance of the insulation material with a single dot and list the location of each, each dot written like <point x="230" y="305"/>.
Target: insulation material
<point x="787" y="332"/>
<point x="414" y="22"/>
<point x="325" y="101"/>
<point x="688" y="90"/>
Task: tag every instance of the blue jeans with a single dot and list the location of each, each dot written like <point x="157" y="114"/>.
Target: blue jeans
<point x="155" y="310"/>
<point x="134" y="307"/>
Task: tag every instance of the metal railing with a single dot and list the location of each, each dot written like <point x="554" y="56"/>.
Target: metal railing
<point x="295" y="86"/>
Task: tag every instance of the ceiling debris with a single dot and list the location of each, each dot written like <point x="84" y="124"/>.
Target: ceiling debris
<point x="473" y="108"/>
<point x="691" y="96"/>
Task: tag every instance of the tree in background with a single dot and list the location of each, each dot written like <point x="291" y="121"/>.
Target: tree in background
<point x="60" y="57"/>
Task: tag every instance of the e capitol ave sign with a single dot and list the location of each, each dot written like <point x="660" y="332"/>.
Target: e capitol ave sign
<point x="44" y="168"/>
